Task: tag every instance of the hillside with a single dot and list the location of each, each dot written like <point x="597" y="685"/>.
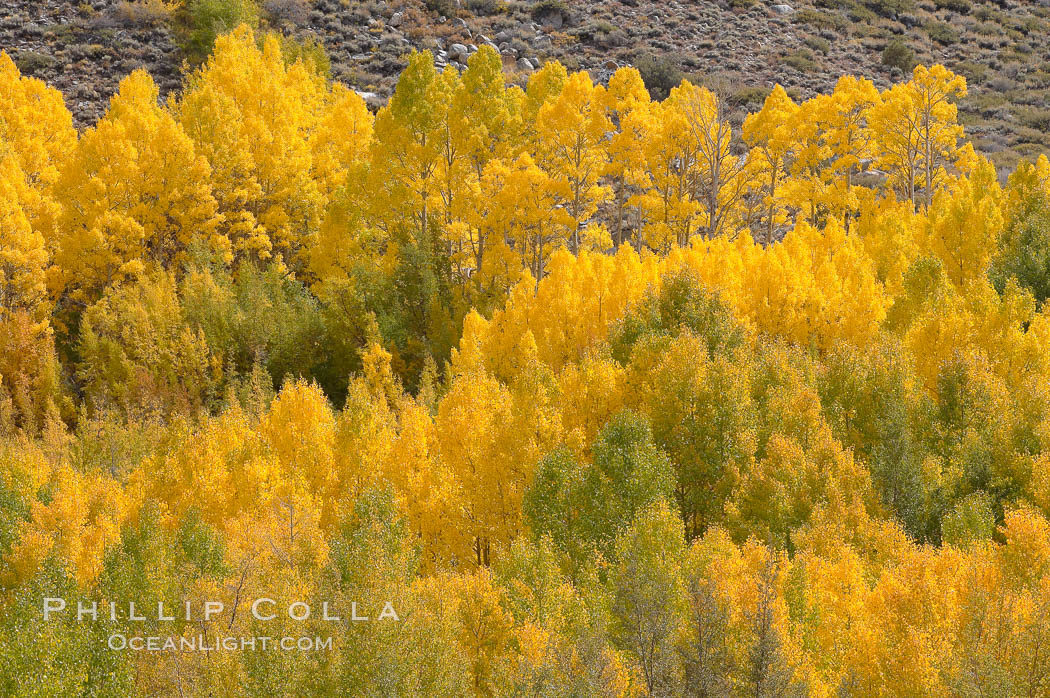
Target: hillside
<point x="743" y="46"/>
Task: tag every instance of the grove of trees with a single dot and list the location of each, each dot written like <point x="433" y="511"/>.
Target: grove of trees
<point x="607" y="396"/>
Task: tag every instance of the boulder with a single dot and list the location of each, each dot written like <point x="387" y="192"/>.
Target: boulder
<point x="458" y="52"/>
<point x="552" y="20"/>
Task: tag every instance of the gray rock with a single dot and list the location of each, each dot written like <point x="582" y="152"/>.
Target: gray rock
<point x="783" y="9"/>
<point x="526" y="65"/>
<point x="396" y="19"/>
<point x="552" y="20"/>
<point x="458" y="52"/>
<point x="373" y="100"/>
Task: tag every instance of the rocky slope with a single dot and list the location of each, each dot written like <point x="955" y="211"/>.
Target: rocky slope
<point x="84" y="47"/>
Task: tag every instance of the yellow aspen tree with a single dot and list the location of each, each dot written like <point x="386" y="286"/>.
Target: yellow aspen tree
<point x="771" y="136"/>
<point x="299" y="431"/>
<point x="475" y="424"/>
<point x="544" y="87"/>
<point x="917" y="132"/>
<point x="407" y="150"/>
<point x="964" y="226"/>
<point x="628" y="104"/>
<point x="897" y="143"/>
<point x="134" y="194"/>
<point x="670" y="211"/>
<point x="485" y="124"/>
<point x="834" y="145"/>
<point x="850" y="143"/>
<point x="81" y="520"/>
<point x="891" y="232"/>
<point x="23" y="252"/>
<point x="818" y="285"/>
<point x="453" y="174"/>
<point x="566" y="315"/>
<point x="520" y="206"/>
<point x="720" y="178"/>
<point x="933" y="93"/>
<point x="1028" y="181"/>
<point x="590" y="393"/>
<point x="807" y="184"/>
<point x="427" y="489"/>
<point x="483" y="627"/>
<point x="36" y="139"/>
<point x="341" y="141"/>
<point x="29" y="372"/>
<point x="341" y="156"/>
<point x="37" y="129"/>
<point x="570" y="132"/>
<point x="254" y="118"/>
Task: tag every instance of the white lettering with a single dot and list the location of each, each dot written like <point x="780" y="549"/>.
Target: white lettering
<point x="211" y="608"/>
<point x="255" y="609"/>
<point x="388" y="612"/>
<point x="83" y="610"/>
<point x="51" y="604"/>
<point x="303" y="615"/>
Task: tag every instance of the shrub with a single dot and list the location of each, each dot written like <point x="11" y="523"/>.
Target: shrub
<point x="310" y="51"/>
<point x="942" y="33"/>
<point x="960" y="6"/>
<point x="890" y="8"/>
<point x="486" y="7"/>
<point x="975" y="73"/>
<point x="31" y="63"/>
<point x="749" y="98"/>
<point x="821" y="20"/>
<point x="146" y="13"/>
<point x="442" y="7"/>
<point x="601" y="33"/>
<point x="208" y="19"/>
<point x="1030" y="25"/>
<point x="986" y="13"/>
<point x="818" y="44"/>
<point x="802" y="61"/>
<point x="897" y="54"/>
<point x="660" y="74"/>
<point x="548" y="8"/>
<point x="290" y="11"/>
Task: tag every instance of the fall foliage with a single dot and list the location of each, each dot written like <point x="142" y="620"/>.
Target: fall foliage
<point x="607" y="396"/>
